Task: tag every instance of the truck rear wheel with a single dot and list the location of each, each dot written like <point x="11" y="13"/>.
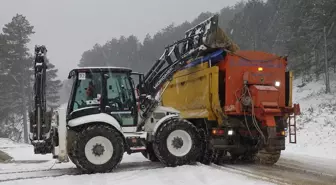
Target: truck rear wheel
<point x="219" y="157"/>
<point x="267" y="158"/>
<point x="177" y="142"/>
<point x="98" y="149"/>
<point x="207" y="153"/>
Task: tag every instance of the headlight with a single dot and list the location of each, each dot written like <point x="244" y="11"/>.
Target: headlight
<point x="277" y="84"/>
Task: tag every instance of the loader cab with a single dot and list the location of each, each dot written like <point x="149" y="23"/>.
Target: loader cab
<point x="107" y="90"/>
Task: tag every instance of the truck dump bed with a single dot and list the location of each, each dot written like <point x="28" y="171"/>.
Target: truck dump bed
<point x="194" y="92"/>
<point x="209" y="87"/>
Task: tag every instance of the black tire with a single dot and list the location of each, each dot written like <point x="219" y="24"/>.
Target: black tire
<point x="149" y="153"/>
<point x="234" y="157"/>
<point x="71" y="149"/>
<point x="267" y="158"/>
<point x="219" y="157"/>
<point x="80" y="158"/>
<point x="73" y="159"/>
<point x="249" y="157"/>
<point x="207" y="153"/>
<point x="160" y="142"/>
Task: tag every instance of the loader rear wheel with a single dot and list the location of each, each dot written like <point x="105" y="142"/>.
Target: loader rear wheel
<point x="267" y="158"/>
<point x="177" y="142"/>
<point x="98" y="149"/>
<point x="149" y="153"/>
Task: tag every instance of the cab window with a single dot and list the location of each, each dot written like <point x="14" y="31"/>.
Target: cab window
<point x="88" y="90"/>
<point x="120" y="97"/>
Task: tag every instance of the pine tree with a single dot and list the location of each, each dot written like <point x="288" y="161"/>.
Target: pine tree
<point x="249" y="27"/>
<point x="17" y="34"/>
<point x="4" y="108"/>
<point x="16" y="70"/>
<point x="53" y="86"/>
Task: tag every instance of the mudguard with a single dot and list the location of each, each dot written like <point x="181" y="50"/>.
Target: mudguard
<point x="101" y="117"/>
<point x="162" y="120"/>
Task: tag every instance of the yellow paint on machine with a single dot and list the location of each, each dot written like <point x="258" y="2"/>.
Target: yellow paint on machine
<point x="194" y="92"/>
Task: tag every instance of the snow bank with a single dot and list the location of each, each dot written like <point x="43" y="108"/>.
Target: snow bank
<point x="4" y="157"/>
<point x="8" y="143"/>
<point x="20" y="151"/>
<point x="316" y="127"/>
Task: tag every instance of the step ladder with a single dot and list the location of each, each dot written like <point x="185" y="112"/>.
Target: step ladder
<point x="292" y="129"/>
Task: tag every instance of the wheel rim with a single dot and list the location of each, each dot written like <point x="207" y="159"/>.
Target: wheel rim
<point x="98" y="150"/>
<point x="179" y="143"/>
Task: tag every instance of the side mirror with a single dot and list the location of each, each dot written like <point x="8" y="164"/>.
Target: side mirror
<point x="132" y="81"/>
<point x="141" y="77"/>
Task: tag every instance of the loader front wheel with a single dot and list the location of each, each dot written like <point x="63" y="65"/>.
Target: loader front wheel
<point x="177" y="142"/>
<point x="98" y="149"/>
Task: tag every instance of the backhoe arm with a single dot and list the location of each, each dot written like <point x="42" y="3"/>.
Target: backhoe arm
<point x="199" y="40"/>
<point x="40" y="118"/>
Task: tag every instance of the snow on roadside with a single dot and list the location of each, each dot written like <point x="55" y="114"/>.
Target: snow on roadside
<point x="7" y="143"/>
<point x="316" y="127"/>
<point x="20" y="151"/>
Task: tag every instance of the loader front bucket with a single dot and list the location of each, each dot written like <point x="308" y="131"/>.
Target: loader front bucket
<point x="209" y="34"/>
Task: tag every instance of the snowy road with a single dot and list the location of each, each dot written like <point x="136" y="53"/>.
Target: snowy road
<point x="33" y="169"/>
<point x="136" y="169"/>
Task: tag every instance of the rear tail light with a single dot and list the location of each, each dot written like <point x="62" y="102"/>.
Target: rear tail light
<point x="218" y="132"/>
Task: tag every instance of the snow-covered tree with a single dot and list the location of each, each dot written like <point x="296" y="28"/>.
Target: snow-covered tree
<point x="17" y="34"/>
<point x="16" y="79"/>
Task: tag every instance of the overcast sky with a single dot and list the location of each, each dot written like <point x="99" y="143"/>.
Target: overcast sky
<point x="69" y="27"/>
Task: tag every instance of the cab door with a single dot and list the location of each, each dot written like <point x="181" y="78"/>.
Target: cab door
<point x="121" y="102"/>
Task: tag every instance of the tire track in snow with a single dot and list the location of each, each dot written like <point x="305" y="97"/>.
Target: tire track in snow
<point x="250" y="174"/>
<point x="34" y="170"/>
<point x="37" y="174"/>
<point x="278" y="174"/>
<point x="48" y="173"/>
<point x="312" y="165"/>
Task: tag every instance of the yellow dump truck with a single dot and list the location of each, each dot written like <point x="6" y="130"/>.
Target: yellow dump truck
<point x="241" y="102"/>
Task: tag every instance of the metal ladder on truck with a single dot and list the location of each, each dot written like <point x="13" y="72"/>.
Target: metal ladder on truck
<point x="292" y="128"/>
<point x="292" y="124"/>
